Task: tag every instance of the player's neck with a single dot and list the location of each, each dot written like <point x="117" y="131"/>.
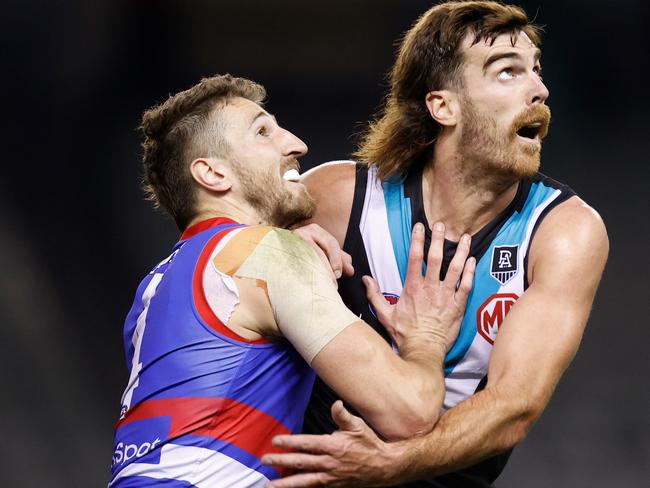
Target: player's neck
<point x="243" y="214"/>
<point x="461" y="201"/>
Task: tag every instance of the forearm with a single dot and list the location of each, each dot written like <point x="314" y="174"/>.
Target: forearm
<point x="401" y="395"/>
<point x="416" y="389"/>
<point x="482" y="426"/>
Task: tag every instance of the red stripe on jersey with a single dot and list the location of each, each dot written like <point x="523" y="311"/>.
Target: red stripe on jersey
<point x="200" y="300"/>
<point x="220" y="418"/>
<point x="205" y="225"/>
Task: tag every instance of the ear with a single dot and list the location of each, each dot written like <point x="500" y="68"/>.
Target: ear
<point x="212" y="174"/>
<point x="443" y="107"/>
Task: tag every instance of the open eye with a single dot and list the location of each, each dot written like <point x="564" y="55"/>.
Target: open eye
<point x="506" y="74"/>
<point x="538" y="71"/>
<point x="263" y="131"/>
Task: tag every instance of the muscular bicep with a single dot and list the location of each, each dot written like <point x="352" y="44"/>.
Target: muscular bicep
<point x="543" y="329"/>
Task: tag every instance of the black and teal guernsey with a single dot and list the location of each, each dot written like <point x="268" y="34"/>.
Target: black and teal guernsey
<point x="378" y="239"/>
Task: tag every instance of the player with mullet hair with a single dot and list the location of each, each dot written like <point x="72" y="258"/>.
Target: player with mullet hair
<point x="223" y="333"/>
<point x="459" y="141"/>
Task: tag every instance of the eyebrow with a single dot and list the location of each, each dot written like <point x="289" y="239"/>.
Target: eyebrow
<point x="262" y="113"/>
<point x="507" y="54"/>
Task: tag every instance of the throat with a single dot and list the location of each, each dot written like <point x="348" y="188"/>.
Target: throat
<point x="462" y="206"/>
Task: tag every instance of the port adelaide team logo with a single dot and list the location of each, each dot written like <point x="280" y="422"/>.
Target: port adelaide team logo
<point x="504" y="263"/>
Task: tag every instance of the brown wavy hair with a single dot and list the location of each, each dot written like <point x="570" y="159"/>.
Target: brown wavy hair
<point x="430" y="58"/>
<point x="185" y="127"/>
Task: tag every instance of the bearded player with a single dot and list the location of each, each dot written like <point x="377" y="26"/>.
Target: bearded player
<point x="459" y="141"/>
<point x="223" y="333"/>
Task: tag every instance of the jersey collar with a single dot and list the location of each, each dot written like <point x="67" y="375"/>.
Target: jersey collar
<point x="205" y="225"/>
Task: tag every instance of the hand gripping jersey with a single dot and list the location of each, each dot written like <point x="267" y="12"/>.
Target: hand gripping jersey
<point x="378" y="238"/>
<point x="202" y="403"/>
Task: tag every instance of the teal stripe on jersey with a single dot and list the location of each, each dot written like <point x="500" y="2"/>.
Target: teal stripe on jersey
<point x="512" y="233"/>
<point x="398" y="209"/>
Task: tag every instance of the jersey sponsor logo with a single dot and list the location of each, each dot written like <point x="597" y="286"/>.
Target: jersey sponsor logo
<point x="390" y="298"/>
<point x="138" y="439"/>
<point x="491" y="314"/>
<point x="504" y="263"/>
<point x="127" y="452"/>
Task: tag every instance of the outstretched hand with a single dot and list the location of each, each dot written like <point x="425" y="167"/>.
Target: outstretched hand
<point x="351" y="456"/>
<point x="428" y="307"/>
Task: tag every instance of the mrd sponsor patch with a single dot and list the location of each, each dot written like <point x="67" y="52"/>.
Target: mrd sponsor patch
<point x="491" y="314"/>
<point x="504" y="263"/>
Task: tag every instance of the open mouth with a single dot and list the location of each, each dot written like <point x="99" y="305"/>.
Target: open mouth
<point x="531" y="131"/>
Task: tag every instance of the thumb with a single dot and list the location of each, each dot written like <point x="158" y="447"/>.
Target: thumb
<point x="376" y="298"/>
<point x="344" y="419"/>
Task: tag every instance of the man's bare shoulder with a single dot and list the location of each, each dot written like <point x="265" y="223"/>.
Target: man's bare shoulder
<point x="332" y="187"/>
<point x="572" y="232"/>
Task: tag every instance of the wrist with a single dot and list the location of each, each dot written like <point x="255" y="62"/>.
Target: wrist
<point x="430" y="348"/>
<point x="398" y="462"/>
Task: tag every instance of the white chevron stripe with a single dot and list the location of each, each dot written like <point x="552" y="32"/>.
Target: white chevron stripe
<point x="203" y="468"/>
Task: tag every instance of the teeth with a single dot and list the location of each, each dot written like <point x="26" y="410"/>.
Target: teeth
<point x="291" y="175"/>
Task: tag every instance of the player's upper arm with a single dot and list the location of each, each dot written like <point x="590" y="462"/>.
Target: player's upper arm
<point x="332" y="187"/>
<point x="306" y="306"/>
<point x="346" y="353"/>
<point x="542" y="331"/>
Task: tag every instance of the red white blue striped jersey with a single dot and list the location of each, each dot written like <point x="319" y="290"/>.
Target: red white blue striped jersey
<point x="202" y="403"/>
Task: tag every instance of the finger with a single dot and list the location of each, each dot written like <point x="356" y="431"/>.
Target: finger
<point x="299" y="461"/>
<point x="345" y="420"/>
<point x="315" y="444"/>
<point x="306" y="480"/>
<point x="466" y="282"/>
<point x="458" y="261"/>
<point x="434" y="259"/>
<point x="326" y="262"/>
<point x="376" y="298"/>
<point x="416" y="256"/>
<point x="330" y="246"/>
<point x="348" y="269"/>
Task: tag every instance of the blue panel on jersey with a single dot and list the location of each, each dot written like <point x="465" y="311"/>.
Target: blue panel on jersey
<point x="398" y="209"/>
<point x="484" y="285"/>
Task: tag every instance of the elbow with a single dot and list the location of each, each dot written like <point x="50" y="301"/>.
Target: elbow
<point x="522" y="417"/>
<point x="407" y="420"/>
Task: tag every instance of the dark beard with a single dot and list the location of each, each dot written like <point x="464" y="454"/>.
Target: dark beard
<point x="277" y="205"/>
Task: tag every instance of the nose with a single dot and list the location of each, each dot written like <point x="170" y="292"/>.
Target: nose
<point x="293" y="146"/>
<point x="538" y="93"/>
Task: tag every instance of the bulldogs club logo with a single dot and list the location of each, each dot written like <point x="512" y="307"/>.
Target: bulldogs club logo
<point x="504" y="263"/>
<point x="491" y="314"/>
<point x="390" y="298"/>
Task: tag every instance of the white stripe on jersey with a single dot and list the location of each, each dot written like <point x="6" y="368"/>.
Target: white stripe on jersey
<point x="203" y="468"/>
<point x="136" y="365"/>
<point x="376" y="237"/>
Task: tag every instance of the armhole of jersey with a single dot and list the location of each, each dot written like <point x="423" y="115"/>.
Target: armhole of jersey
<point x="563" y="197"/>
<point x="203" y="308"/>
<point x="353" y="233"/>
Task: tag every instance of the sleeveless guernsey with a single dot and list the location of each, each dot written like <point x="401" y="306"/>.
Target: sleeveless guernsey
<point x="378" y="238"/>
<point x="202" y="403"/>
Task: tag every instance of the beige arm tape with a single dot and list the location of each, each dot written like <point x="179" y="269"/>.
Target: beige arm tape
<point x="308" y="310"/>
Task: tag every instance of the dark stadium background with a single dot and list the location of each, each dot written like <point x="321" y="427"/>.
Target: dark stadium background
<point x="77" y="235"/>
